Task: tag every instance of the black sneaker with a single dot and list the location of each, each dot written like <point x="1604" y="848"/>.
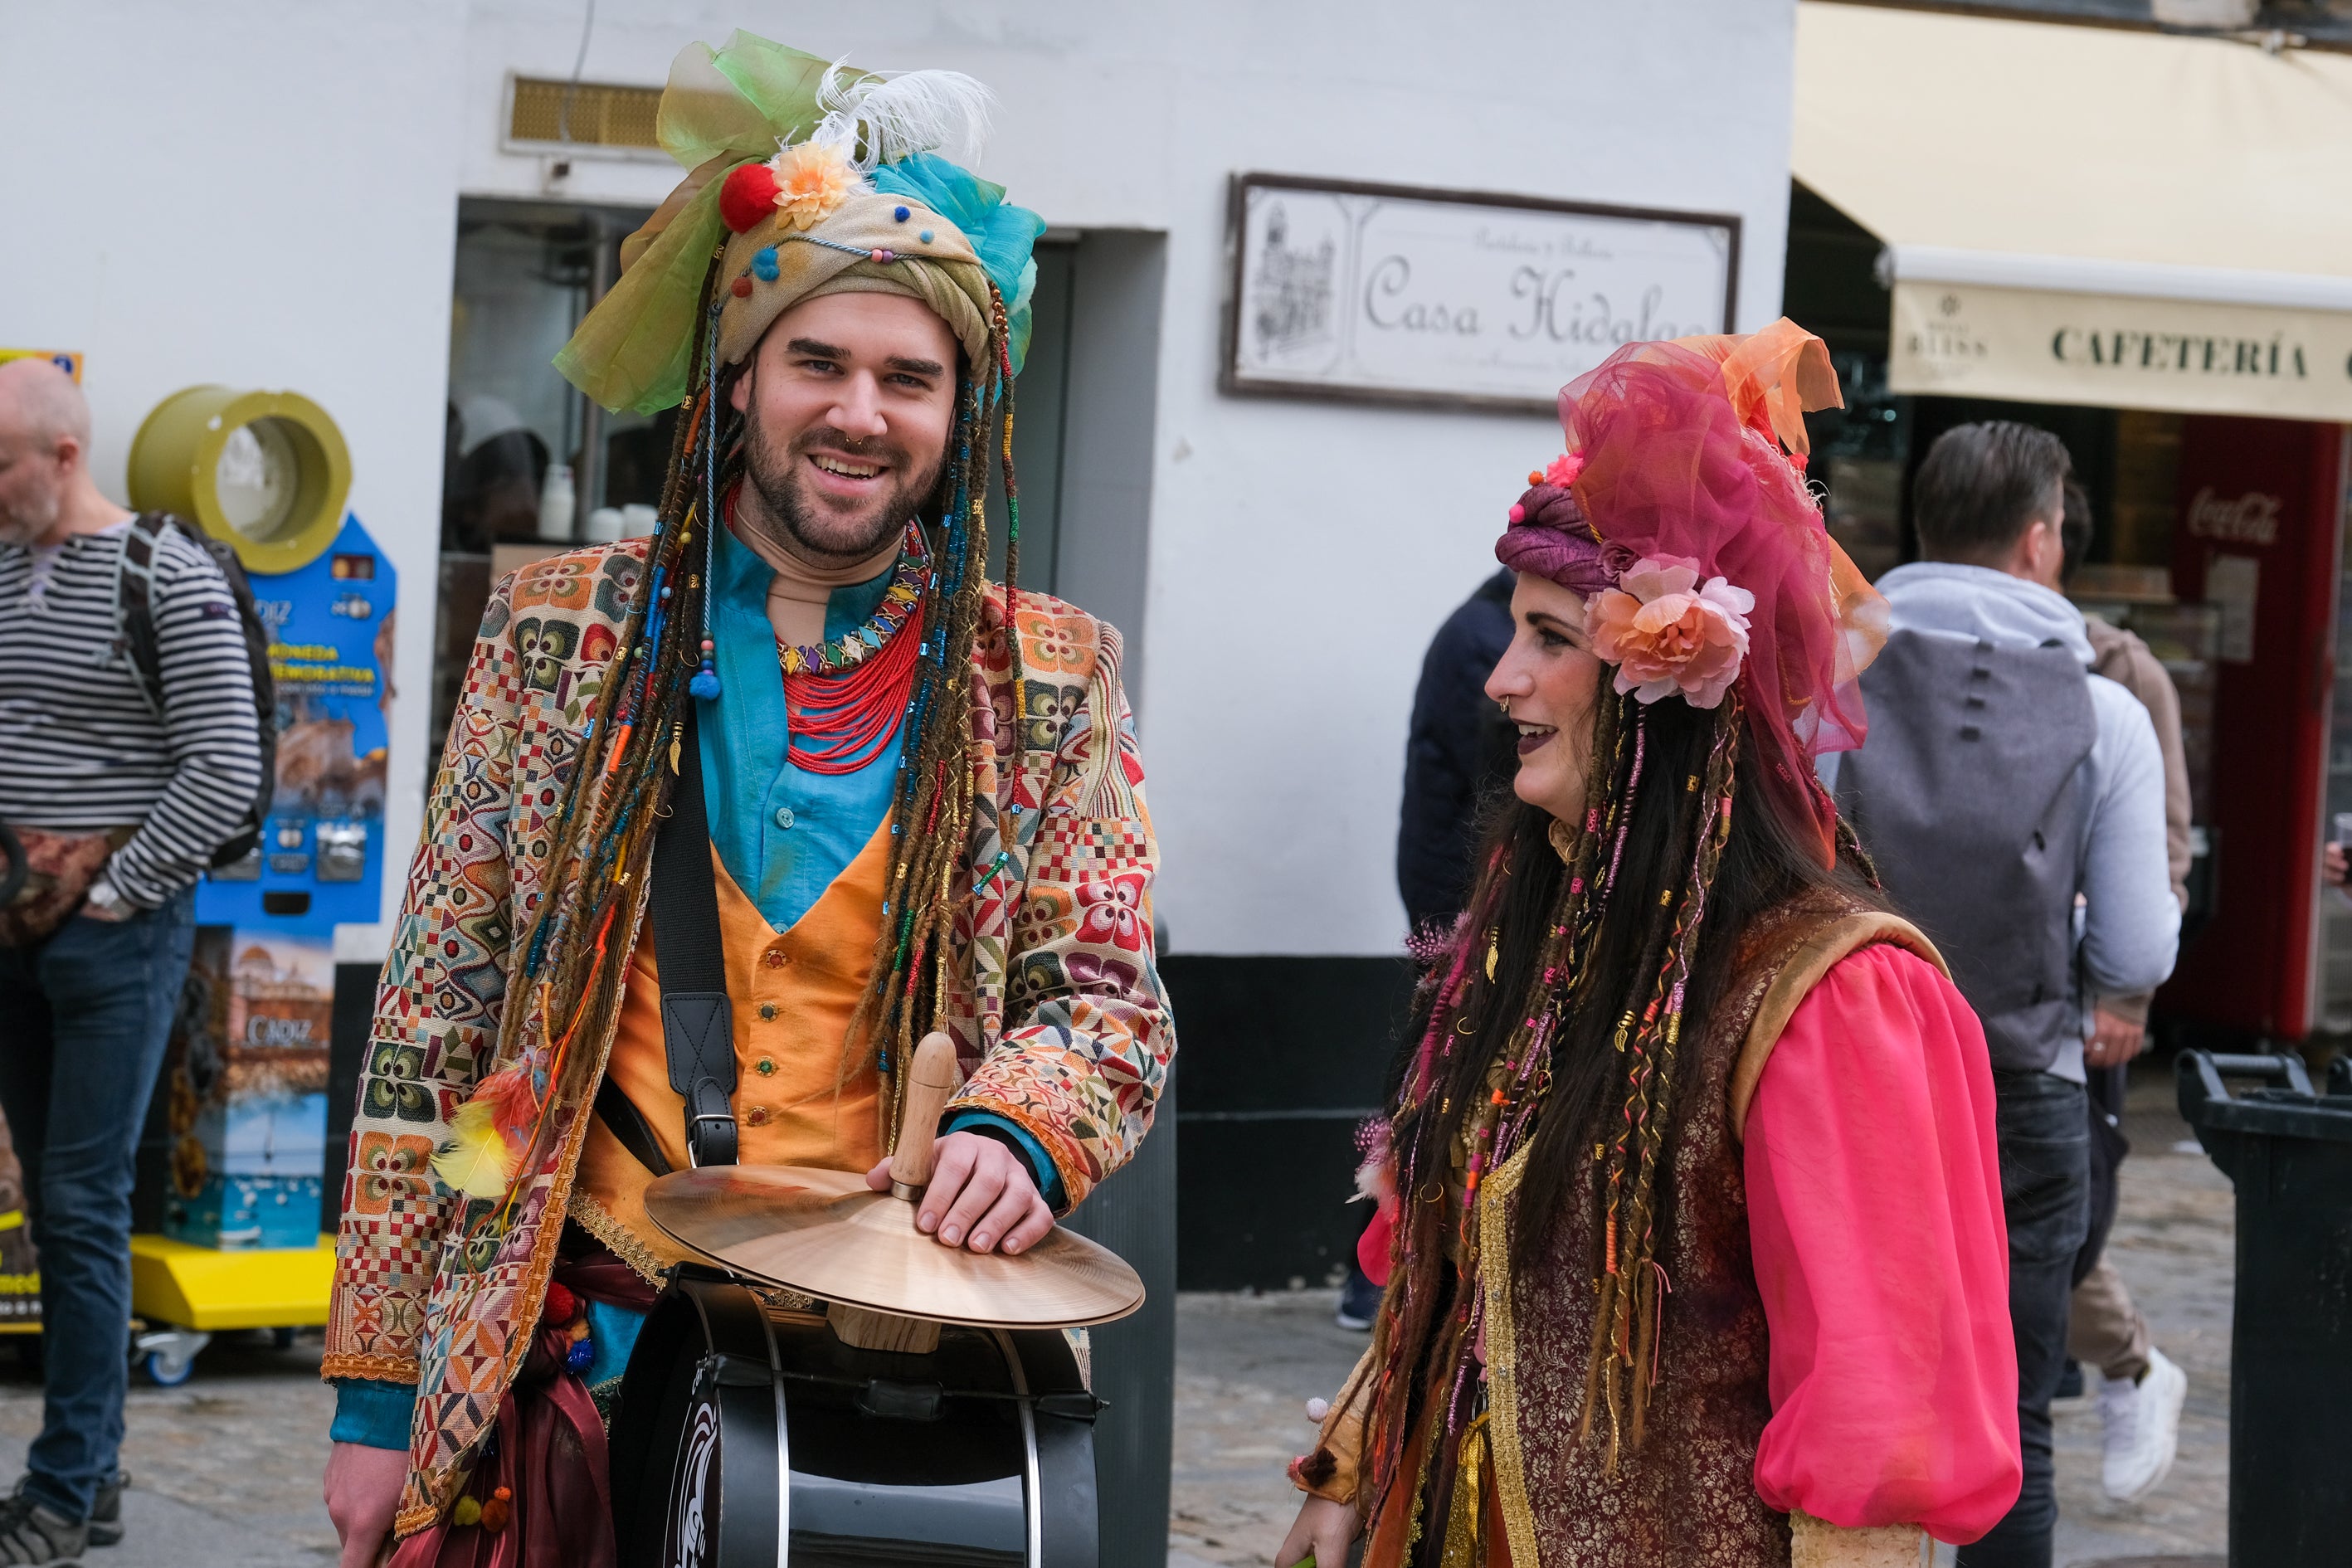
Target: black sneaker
<point x="106" y="1512"/>
<point x="29" y="1532"/>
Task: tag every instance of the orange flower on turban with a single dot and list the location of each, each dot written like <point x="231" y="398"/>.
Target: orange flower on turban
<point x="811" y="180"/>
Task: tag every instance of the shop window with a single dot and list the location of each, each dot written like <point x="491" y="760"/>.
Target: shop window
<point x="519" y="438"/>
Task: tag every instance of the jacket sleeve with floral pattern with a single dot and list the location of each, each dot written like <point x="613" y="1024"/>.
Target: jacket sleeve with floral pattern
<point x="1060" y="1016"/>
<point x="546" y="638"/>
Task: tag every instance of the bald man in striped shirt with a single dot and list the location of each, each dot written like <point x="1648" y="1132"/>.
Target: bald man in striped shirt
<point x="120" y="807"/>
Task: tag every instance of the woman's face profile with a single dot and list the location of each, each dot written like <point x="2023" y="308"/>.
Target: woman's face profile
<point x="1547" y="682"/>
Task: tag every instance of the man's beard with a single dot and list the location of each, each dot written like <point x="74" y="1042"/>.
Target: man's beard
<point x="816" y="534"/>
<point x="31" y="518"/>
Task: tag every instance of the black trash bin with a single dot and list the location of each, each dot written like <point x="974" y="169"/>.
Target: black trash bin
<point x="2288" y="1152"/>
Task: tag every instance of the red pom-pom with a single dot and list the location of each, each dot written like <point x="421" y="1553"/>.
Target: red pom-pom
<point x="562" y="1306"/>
<point x="748" y="197"/>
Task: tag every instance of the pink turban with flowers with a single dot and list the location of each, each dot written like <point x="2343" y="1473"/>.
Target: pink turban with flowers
<point x="1680" y="511"/>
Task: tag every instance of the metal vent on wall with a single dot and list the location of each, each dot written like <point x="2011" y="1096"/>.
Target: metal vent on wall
<point x="602" y="114"/>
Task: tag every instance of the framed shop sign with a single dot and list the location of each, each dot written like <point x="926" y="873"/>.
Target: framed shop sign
<point x="1397" y="294"/>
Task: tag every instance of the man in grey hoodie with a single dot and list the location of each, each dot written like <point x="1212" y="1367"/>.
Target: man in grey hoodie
<point x="2014" y="803"/>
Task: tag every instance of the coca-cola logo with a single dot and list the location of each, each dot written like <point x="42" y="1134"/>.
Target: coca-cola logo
<point x="2249" y="519"/>
<point x="264" y="1030"/>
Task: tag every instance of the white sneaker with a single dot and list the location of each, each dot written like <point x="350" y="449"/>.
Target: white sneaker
<point x="2143" y="1427"/>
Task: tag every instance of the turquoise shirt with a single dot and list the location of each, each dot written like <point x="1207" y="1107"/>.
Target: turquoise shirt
<point x="783" y="833"/>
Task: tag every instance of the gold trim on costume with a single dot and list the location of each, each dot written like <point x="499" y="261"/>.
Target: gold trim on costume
<point x="1795" y="979"/>
<point x="601" y="1223"/>
<point x="1502" y="1360"/>
<point x="1812" y="1543"/>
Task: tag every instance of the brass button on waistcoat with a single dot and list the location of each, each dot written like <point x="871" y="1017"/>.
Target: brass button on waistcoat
<point x="767" y="1010"/>
<point x="756" y="1117"/>
<point x="774" y="958"/>
<point x="765" y="1067"/>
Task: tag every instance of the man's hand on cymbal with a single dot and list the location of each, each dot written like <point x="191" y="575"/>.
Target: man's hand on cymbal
<point x="982" y="1196"/>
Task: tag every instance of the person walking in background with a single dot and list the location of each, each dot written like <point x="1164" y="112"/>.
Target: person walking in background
<point x="2001" y="783"/>
<point x="1457" y="753"/>
<point x="120" y="805"/>
<point x="2141" y="1389"/>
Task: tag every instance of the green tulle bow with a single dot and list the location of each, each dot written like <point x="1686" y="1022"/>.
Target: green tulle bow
<point x="722" y="108"/>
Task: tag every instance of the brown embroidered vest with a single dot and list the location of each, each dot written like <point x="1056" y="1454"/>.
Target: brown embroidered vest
<point x="1687" y="1498"/>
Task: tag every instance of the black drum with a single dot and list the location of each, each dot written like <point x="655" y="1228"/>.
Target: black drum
<point x="748" y="1434"/>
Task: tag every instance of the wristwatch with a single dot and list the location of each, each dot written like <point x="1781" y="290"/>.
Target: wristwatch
<point x="110" y="904"/>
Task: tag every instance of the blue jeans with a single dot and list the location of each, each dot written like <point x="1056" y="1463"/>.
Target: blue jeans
<point x="2043" y="1126"/>
<point x="84" y="1017"/>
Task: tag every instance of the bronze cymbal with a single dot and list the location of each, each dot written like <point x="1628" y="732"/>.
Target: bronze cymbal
<point x="825" y="1232"/>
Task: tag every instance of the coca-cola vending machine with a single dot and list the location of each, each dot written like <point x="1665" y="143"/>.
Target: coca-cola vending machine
<point x="2256" y="539"/>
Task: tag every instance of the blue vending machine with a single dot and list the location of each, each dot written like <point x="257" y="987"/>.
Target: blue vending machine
<point x="245" y="1081"/>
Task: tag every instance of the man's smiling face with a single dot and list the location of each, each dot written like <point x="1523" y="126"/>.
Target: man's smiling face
<point x="850" y="399"/>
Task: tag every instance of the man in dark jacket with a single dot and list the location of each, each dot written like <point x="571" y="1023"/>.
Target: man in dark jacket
<point x="1456" y="749"/>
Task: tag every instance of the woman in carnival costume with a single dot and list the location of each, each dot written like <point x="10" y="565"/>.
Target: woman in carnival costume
<point x="924" y="806"/>
<point x="1697" y="1254"/>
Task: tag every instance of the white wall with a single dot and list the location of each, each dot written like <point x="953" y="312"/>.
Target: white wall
<point x="259" y="194"/>
<point x="293" y="184"/>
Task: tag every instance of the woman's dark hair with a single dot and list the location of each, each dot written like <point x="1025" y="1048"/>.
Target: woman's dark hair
<point x="1691" y="772"/>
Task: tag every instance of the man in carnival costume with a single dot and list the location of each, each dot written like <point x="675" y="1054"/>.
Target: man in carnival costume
<point x="1697" y="1256"/>
<point x="924" y="810"/>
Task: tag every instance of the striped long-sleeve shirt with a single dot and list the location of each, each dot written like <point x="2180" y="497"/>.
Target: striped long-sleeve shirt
<point x="80" y="747"/>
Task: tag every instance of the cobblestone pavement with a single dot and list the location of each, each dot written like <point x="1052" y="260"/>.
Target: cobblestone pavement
<point x="1245" y="1366"/>
<point x="225" y="1469"/>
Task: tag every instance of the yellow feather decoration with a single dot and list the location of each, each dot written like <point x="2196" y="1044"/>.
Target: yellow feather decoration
<point x="479" y="1160"/>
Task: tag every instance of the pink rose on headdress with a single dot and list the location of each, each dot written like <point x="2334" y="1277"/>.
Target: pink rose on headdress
<point x="1665" y="631"/>
<point x="1563" y="469"/>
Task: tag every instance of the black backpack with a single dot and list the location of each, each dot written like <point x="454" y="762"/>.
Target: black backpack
<point x="134" y="637"/>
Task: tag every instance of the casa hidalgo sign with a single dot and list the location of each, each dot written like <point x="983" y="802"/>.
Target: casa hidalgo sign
<point x="1395" y="294"/>
<point x="2181" y="356"/>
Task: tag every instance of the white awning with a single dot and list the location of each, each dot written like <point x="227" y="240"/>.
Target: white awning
<point x="2091" y="215"/>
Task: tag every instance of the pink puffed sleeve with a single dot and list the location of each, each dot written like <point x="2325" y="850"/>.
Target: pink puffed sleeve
<point x="1874" y="1206"/>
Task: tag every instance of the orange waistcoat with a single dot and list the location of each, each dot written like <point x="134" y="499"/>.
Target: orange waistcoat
<point x="793" y="994"/>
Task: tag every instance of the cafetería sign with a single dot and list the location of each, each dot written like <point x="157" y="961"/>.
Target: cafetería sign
<point x="2182" y="356"/>
<point x="1399" y="294"/>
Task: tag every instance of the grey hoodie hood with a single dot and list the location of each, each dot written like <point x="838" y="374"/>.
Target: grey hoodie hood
<point x="1943" y="598"/>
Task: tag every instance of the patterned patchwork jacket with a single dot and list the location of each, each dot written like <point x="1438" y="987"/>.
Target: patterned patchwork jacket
<point x="1056" y="1005"/>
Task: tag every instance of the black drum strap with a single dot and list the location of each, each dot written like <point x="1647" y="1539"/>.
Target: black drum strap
<point x="698" y="1025"/>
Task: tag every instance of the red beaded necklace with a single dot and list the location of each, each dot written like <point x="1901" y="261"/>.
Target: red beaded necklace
<point x="846" y="700"/>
